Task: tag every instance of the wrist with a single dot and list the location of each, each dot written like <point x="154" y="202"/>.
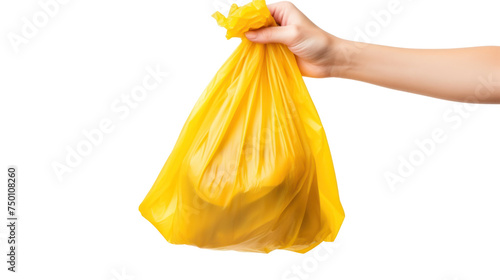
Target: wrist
<point x="342" y="57"/>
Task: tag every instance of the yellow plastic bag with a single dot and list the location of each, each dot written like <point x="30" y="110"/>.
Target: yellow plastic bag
<point x="251" y="170"/>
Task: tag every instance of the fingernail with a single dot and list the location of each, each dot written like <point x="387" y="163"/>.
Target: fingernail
<point x="251" y="35"/>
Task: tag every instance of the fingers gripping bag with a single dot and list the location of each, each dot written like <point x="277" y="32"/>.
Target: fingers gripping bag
<point x="251" y="169"/>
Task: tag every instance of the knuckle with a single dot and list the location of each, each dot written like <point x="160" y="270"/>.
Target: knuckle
<point x="288" y="4"/>
<point x="294" y="31"/>
<point x="267" y="34"/>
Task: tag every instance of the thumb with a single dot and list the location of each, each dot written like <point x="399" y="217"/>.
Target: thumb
<point x="275" y="34"/>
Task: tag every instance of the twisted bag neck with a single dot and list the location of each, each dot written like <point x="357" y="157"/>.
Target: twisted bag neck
<point x="251" y="16"/>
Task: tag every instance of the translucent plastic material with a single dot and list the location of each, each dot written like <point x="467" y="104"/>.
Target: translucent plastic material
<point x="251" y="170"/>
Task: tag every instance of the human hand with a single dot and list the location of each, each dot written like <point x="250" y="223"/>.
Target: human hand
<point x="450" y="74"/>
<point x="314" y="49"/>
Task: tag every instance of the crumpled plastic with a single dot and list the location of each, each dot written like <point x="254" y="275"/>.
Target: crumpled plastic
<point x="251" y="170"/>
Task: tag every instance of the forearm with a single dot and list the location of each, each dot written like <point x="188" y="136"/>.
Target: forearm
<point x="466" y="75"/>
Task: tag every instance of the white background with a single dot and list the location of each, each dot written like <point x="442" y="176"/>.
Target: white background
<point x="442" y="222"/>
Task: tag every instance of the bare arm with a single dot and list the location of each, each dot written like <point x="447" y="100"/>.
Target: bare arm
<point x="466" y="74"/>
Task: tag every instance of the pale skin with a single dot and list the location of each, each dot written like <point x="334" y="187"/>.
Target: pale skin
<point x="463" y="74"/>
